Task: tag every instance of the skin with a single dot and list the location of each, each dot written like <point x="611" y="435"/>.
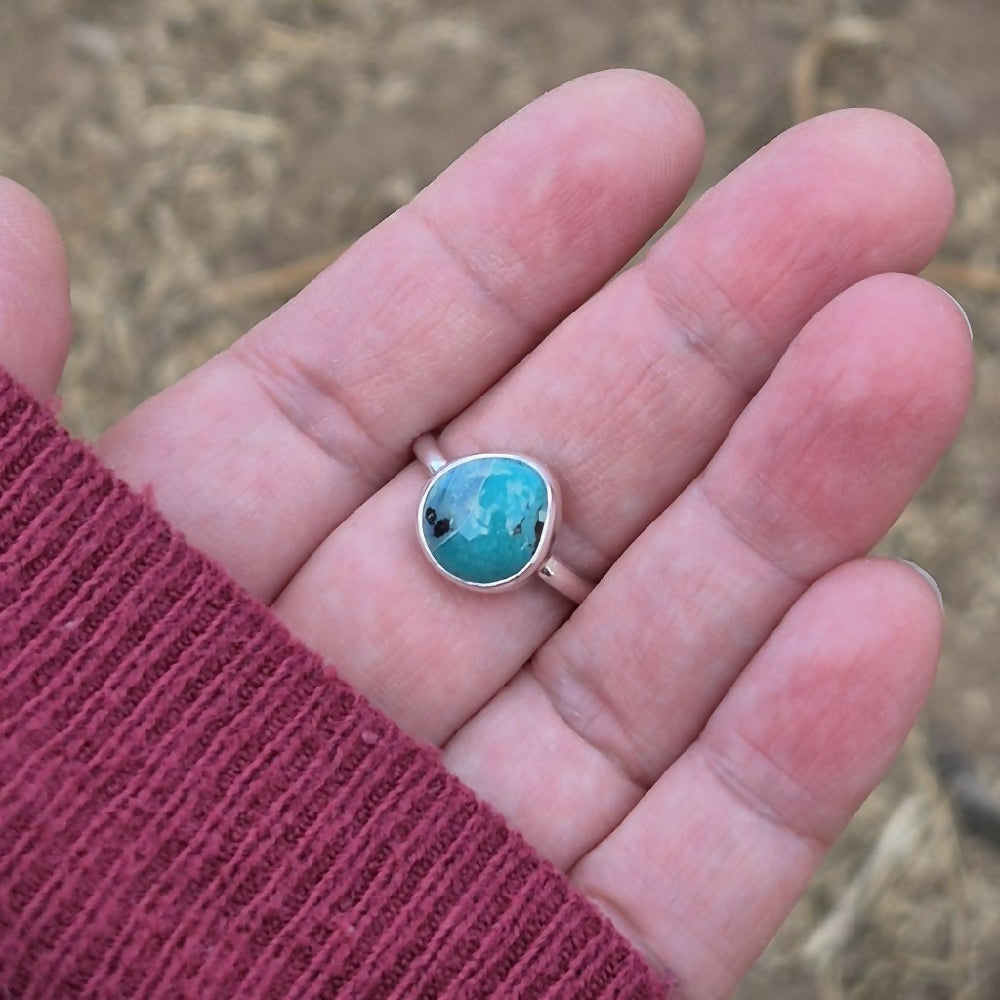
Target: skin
<point x="735" y="422"/>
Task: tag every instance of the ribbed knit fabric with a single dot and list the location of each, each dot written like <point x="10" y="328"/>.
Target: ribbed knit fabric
<point x="191" y="806"/>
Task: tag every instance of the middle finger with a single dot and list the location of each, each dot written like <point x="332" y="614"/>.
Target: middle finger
<point x="627" y="400"/>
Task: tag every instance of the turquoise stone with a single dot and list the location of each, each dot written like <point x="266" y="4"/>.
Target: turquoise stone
<point x="482" y="519"/>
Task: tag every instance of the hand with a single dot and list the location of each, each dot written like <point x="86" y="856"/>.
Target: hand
<point x="734" y="422"/>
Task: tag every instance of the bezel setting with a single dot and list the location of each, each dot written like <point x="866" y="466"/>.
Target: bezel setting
<point x="549" y="525"/>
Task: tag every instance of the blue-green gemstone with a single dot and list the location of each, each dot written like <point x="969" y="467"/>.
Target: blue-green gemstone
<point x="482" y="519"/>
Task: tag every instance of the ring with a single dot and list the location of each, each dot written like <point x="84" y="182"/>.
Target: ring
<point x="488" y="522"/>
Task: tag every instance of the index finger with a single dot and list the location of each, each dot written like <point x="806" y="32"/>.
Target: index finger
<point x="262" y="452"/>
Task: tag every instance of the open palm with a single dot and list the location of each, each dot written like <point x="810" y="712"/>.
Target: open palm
<point x="734" y="422"/>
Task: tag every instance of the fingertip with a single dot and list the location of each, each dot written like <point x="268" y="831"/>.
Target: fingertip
<point x="898" y="604"/>
<point x="894" y="141"/>
<point x="628" y="89"/>
<point x="894" y="134"/>
<point x="842" y="680"/>
<point x="27" y="218"/>
<point x="917" y="339"/>
<point x="637" y="107"/>
<point x="882" y="164"/>
<point x="898" y="343"/>
<point x="34" y="291"/>
<point x="910" y="600"/>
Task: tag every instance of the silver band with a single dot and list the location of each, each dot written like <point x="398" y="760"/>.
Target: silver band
<point x="555" y="573"/>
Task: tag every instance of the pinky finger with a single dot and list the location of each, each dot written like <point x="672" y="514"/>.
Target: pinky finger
<point x="704" y="870"/>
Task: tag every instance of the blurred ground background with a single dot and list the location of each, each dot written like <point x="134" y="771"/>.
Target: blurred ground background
<point x="205" y="158"/>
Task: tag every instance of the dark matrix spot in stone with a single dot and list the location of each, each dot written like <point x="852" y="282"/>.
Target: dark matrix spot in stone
<point x="441" y="527"/>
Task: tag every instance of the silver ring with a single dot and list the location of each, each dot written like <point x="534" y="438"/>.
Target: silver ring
<point x="488" y="522"/>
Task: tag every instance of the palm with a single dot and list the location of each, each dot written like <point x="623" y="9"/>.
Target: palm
<point x="688" y="742"/>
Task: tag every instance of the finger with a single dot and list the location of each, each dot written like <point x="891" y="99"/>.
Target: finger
<point x="34" y="292"/>
<point x="263" y="451"/>
<point x="708" y="865"/>
<point x="627" y="401"/>
<point x="815" y="471"/>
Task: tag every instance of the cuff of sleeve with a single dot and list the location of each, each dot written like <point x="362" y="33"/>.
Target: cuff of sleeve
<point x="191" y="806"/>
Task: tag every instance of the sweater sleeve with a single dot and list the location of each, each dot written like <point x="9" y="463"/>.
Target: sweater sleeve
<point x="192" y="806"/>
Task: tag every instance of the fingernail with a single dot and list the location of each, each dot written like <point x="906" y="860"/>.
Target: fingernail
<point x="961" y="309"/>
<point x="932" y="583"/>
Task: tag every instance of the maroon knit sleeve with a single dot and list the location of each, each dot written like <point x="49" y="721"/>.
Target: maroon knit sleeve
<point x="191" y="806"/>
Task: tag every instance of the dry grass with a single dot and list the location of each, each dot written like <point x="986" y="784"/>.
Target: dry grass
<point x="206" y="157"/>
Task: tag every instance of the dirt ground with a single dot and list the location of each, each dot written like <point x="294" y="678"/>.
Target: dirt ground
<point x="205" y="158"/>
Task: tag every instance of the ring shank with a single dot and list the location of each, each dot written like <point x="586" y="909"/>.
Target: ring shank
<point x="563" y="579"/>
<point x="429" y="454"/>
<point x="555" y="573"/>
